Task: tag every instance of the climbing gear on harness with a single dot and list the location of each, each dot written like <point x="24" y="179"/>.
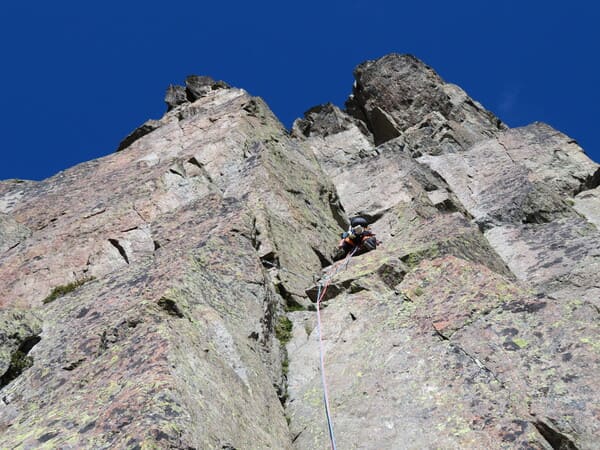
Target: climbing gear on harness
<point x="358" y="237"/>
<point x="370" y="243"/>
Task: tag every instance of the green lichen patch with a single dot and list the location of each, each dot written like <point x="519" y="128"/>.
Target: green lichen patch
<point x="62" y="290"/>
<point x="283" y="330"/>
<point x="19" y="360"/>
<point x="285" y="366"/>
<point x="413" y="259"/>
<point x="595" y="344"/>
<point x="521" y="343"/>
<point x="294" y="307"/>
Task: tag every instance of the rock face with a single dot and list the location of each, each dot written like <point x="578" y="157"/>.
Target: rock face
<point x="395" y="94"/>
<point x="160" y="297"/>
<point x="144" y="270"/>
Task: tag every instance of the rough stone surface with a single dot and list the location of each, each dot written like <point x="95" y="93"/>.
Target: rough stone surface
<point x="586" y="204"/>
<point x="146" y="128"/>
<point x="11" y="232"/>
<point x="522" y="175"/>
<point x="168" y="338"/>
<point x="519" y="187"/>
<point x="473" y="347"/>
<point x="175" y="96"/>
<point x="19" y="331"/>
<point x="325" y="120"/>
<point x="197" y="86"/>
<point x="163" y="296"/>
<point x="397" y="92"/>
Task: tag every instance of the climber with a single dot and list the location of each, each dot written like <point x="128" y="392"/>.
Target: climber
<point x="358" y="236"/>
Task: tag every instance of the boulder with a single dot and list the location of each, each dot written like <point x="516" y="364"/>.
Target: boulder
<point x="197" y="86"/>
<point x="175" y="96"/>
<point x="396" y="92"/>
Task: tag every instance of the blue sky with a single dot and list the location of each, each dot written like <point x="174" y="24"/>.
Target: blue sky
<point x="78" y="76"/>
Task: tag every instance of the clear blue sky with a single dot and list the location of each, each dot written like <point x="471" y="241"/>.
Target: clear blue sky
<point x="78" y="76"/>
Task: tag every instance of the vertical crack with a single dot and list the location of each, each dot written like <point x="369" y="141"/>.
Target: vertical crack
<point x="475" y="360"/>
<point x="588" y="183"/>
<point x="19" y="361"/>
<point x="505" y="148"/>
<point x="555" y="438"/>
<point x="120" y="248"/>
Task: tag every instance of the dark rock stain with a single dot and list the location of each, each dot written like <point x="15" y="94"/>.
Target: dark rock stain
<point x="87" y="427"/>
<point x="567" y="356"/>
<point x="47" y="436"/>
<point x="509" y="332"/>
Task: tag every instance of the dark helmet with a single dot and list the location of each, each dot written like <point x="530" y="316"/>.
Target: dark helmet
<point x="358" y="221"/>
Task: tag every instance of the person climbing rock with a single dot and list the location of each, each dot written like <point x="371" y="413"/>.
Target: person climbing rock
<point x="358" y="237"/>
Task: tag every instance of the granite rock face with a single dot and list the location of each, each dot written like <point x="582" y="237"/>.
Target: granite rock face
<point x="143" y="270"/>
<point x="398" y="92"/>
<point x="475" y="324"/>
<point x="161" y="296"/>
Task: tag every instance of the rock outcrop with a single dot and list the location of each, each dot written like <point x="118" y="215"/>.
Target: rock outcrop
<point x="144" y="268"/>
<point x="160" y="297"/>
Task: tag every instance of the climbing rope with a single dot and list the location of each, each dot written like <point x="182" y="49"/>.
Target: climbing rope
<point x="322" y="289"/>
<point x="323" y="285"/>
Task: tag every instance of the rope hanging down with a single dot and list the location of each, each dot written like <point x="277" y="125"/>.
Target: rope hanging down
<point x="322" y="289"/>
<point x="323" y="285"/>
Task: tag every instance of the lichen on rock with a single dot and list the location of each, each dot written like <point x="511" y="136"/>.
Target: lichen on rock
<point x="474" y="324"/>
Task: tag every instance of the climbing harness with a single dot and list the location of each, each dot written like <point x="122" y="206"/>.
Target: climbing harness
<point x="323" y="285"/>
